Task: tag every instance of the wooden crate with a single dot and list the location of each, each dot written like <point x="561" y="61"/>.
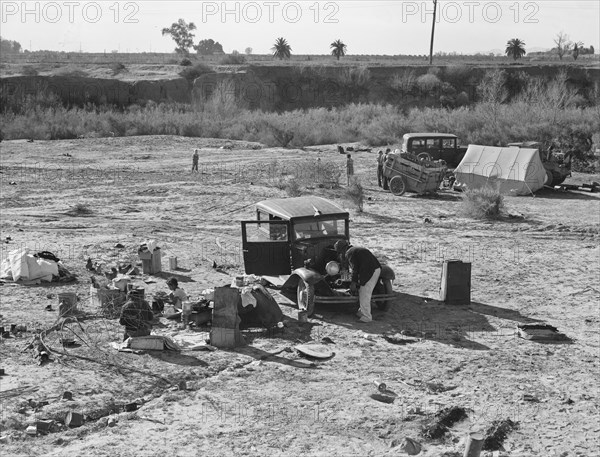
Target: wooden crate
<point x="151" y="261"/>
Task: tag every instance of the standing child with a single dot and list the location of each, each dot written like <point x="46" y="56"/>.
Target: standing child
<point x="195" y="161"/>
<point x="349" y="167"/>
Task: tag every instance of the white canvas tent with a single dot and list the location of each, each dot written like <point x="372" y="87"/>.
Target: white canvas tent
<point x="517" y="171"/>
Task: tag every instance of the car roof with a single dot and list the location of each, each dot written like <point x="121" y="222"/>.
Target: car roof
<point x="300" y="207"/>
<point x="429" y="135"/>
<point x="526" y="144"/>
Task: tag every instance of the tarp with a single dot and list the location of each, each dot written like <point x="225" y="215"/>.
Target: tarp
<point x="517" y="171"/>
<point x="20" y="265"/>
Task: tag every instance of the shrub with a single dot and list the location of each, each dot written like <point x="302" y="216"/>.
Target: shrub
<point x="234" y="58"/>
<point x="72" y="72"/>
<point x="191" y="73"/>
<point x="117" y="67"/>
<point x="428" y="82"/>
<point x="29" y="71"/>
<point x="356" y="193"/>
<point x="292" y="187"/>
<point x="404" y="83"/>
<point x="185" y="62"/>
<point x="483" y="203"/>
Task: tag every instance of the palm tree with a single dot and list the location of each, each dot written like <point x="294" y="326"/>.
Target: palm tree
<point x="339" y="49"/>
<point x="281" y="49"/>
<point x="515" y="49"/>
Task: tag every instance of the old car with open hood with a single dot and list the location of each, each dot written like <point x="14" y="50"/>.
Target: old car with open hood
<point x="291" y="245"/>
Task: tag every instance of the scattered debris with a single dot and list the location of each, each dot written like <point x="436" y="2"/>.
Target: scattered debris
<point x="316" y="351"/>
<point x="410" y="446"/>
<point x="497" y="433"/>
<point x="383" y="398"/>
<point x="381" y="386"/>
<point x="397" y="338"/>
<point x="530" y="398"/>
<point x="587" y="289"/>
<point x="442" y="421"/>
<point x="540" y="332"/>
<point x="327" y="340"/>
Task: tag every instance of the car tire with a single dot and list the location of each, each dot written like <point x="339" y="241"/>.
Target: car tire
<point x="397" y="186"/>
<point x="387" y="289"/>
<point x="424" y="156"/>
<point x="306" y="297"/>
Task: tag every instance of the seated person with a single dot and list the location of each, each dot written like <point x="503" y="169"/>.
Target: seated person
<point x="178" y="295"/>
<point x="136" y="316"/>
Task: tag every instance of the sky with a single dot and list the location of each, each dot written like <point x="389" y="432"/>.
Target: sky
<point x="366" y="27"/>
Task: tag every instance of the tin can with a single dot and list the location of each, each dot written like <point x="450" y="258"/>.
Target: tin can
<point x="173" y="263"/>
<point x="381" y="386"/>
<point x="239" y="281"/>
<point x="302" y="316"/>
<point x="73" y="419"/>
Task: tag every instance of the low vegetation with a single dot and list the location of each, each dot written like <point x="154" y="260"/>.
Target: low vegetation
<point x="356" y="193"/>
<point x="544" y="112"/>
<point x="482" y="203"/>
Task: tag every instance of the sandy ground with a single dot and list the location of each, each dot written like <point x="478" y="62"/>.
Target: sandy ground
<point x="543" y="267"/>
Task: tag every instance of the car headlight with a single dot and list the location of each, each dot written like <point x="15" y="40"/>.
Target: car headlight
<point x="332" y="268"/>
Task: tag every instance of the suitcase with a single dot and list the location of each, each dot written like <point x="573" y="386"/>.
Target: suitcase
<point x="455" y="288"/>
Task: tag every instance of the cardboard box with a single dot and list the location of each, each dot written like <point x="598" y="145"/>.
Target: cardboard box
<point x="151" y="262"/>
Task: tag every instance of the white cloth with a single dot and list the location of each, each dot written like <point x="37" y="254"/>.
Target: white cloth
<point x="151" y="245"/>
<point x="365" y="292"/>
<point x="247" y="297"/>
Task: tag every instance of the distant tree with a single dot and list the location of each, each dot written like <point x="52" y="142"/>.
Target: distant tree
<point x="281" y="49"/>
<point x="248" y="51"/>
<point x="577" y="49"/>
<point x="515" y="48"/>
<point x="338" y="49"/>
<point x="562" y="44"/>
<point x="208" y="47"/>
<point x="182" y="35"/>
<point x="9" y="47"/>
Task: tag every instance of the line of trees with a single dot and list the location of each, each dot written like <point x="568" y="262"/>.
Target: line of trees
<point x="181" y="33"/>
<point x="9" y="47"/>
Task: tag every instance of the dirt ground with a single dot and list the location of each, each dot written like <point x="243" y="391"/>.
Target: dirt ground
<point x="79" y="198"/>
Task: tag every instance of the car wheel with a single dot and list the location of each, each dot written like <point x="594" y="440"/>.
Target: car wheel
<point x="306" y="297"/>
<point x="424" y="156"/>
<point x="397" y="186"/>
<point x="387" y="289"/>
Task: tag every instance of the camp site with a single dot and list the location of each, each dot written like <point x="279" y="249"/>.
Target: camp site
<point x="481" y="328"/>
<point x="349" y="229"/>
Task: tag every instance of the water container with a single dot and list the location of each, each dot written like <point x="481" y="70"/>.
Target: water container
<point x="455" y="288"/>
<point x="67" y="303"/>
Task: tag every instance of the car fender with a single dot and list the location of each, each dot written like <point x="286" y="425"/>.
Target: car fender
<point x="307" y="275"/>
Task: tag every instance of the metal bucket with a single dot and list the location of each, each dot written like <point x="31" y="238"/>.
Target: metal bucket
<point x="73" y="419"/>
<point x="67" y="303"/>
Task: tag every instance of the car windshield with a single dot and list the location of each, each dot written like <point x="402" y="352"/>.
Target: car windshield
<point x="320" y="229"/>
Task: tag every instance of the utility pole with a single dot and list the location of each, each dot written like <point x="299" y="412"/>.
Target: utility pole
<point x="432" y="33"/>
